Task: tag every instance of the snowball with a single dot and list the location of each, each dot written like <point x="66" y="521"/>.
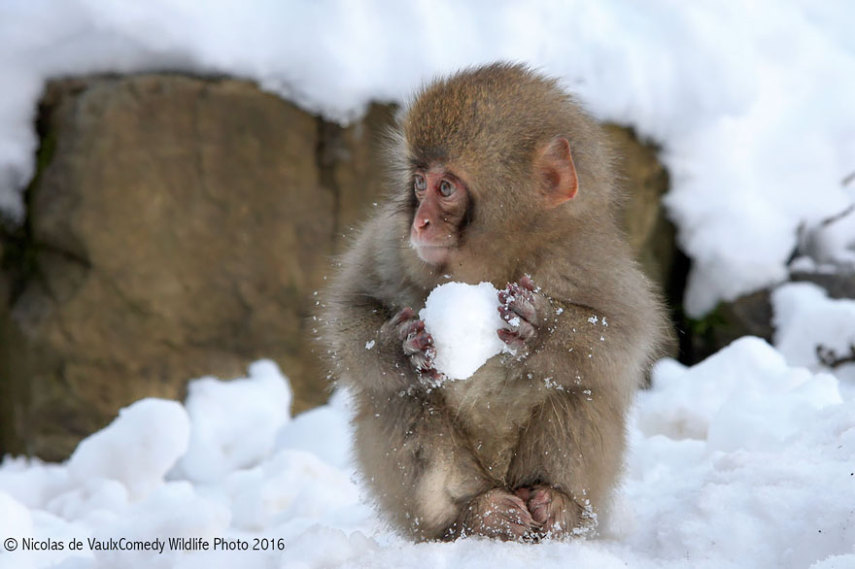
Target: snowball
<point x="136" y="449"/>
<point x="463" y="320"/>
<point x="234" y="423"/>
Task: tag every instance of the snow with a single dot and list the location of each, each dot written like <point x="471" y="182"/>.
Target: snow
<point x="829" y="244"/>
<point x="745" y="460"/>
<point x="806" y="317"/>
<point x="463" y="320"/>
<point x="235" y="423"/>
<point x="137" y="449"/>
<point x="750" y="103"/>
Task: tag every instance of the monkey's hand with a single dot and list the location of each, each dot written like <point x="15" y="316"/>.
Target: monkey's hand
<point x="417" y="344"/>
<point x="525" y="310"/>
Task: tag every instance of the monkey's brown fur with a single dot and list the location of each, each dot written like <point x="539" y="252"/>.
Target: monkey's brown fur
<point x="536" y="435"/>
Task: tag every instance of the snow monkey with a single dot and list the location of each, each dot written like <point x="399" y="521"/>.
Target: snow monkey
<point x="497" y="176"/>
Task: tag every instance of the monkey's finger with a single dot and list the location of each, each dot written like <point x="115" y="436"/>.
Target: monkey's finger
<point x="410" y="329"/>
<point x="413" y="326"/>
<point x="524" y="302"/>
<point x="418" y="342"/>
<point x="526" y="331"/>
<point x="517" y="312"/>
<point x="527" y="283"/>
<point x="511" y="338"/>
<point x="509" y="316"/>
<point x="403" y="315"/>
<point x="520" y="326"/>
<point x="422" y="362"/>
<point x="512" y="292"/>
<point x="397" y="326"/>
<point x="431" y="375"/>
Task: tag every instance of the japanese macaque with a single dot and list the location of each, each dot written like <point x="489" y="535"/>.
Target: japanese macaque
<point x="499" y="177"/>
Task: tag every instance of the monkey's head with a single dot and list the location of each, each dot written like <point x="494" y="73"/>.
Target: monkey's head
<point x="494" y="158"/>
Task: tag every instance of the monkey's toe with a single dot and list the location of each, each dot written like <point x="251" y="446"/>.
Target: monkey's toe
<point x="498" y="514"/>
<point x="554" y="511"/>
<point x="539" y="503"/>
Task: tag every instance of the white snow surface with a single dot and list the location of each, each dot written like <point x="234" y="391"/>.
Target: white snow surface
<point x="751" y="103"/>
<point x="463" y="320"/>
<point x="745" y="461"/>
<point x="220" y="441"/>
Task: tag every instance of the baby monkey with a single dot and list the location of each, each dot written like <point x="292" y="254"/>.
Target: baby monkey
<point x="500" y="177"/>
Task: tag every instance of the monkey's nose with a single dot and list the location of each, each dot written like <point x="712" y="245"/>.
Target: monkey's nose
<point x="422" y="223"/>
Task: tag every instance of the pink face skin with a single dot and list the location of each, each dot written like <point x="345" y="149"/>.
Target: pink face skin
<point x="443" y="199"/>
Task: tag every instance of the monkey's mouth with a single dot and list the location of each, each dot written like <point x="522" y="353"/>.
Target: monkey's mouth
<point x="432" y="254"/>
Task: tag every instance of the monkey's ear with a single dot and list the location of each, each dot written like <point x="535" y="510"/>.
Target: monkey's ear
<point x="558" y="172"/>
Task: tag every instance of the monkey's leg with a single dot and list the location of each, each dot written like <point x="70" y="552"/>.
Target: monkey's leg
<point x="419" y="466"/>
<point x="568" y="461"/>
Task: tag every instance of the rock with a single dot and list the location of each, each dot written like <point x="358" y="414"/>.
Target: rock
<point x="749" y="315"/>
<point x="179" y="230"/>
<point x="645" y="181"/>
<point x="178" y="227"/>
<point x="840" y="284"/>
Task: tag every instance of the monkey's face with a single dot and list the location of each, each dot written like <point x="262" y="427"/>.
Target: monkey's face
<point x="441" y="202"/>
<point x="485" y="161"/>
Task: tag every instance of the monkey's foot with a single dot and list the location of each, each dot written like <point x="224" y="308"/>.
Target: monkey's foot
<point x="497" y="514"/>
<point x="555" y="512"/>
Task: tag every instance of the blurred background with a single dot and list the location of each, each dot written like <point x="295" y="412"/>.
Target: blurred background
<point x="176" y="177"/>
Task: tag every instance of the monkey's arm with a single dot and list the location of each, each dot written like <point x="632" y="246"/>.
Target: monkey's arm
<point x="359" y="319"/>
<point x="569" y="453"/>
<point x="415" y="461"/>
<point x="362" y="356"/>
<point x="572" y="345"/>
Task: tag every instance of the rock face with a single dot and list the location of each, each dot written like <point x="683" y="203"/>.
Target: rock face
<point x="178" y="227"/>
<point x="645" y="181"/>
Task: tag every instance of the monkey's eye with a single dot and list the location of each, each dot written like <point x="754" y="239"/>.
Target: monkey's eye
<point x="419" y="183"/>
<point x="446" y="188"/>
